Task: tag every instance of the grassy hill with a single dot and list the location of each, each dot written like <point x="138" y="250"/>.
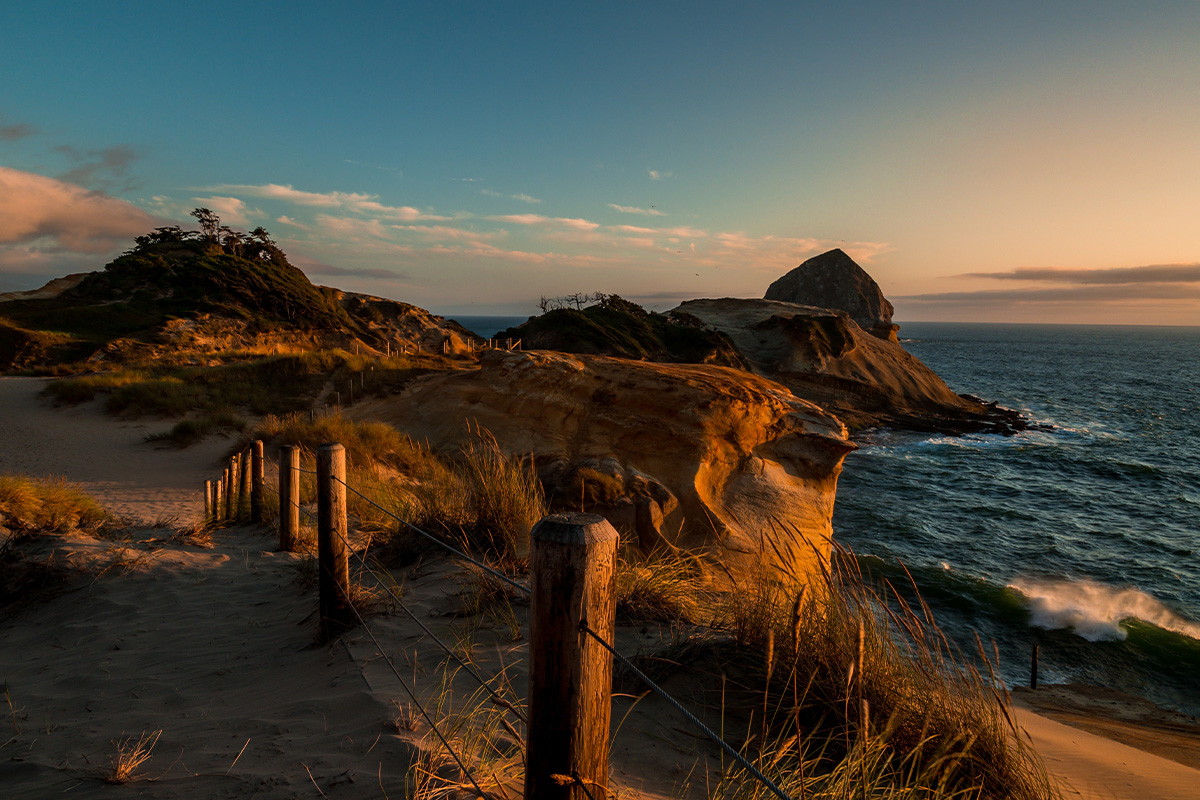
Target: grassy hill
<point x="617" y="327"/>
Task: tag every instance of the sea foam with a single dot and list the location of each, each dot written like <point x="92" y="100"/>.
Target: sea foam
<point x="1095" y="611"/>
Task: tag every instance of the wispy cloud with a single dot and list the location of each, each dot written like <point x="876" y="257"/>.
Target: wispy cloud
<point x="10" y="133"/>
<point x="381" y="167"/>
<point x="650" y="212"/>
<point x="524" y="198"/>
<point x="1088" y="293"/>
<point x="106" y="168"/>
<point x="367" y="204"/>
<point x="656" y="175"/>
<point x="538" y="219"/>
<point x="231" y="210"/>
<point x="1153" y="273"/>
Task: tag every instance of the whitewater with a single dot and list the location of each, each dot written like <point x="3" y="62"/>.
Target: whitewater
<point x="1079" y="535"/>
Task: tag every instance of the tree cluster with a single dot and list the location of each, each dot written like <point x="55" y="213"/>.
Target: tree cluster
<point x="577" y="301"/>
<point x="257" y="244"/>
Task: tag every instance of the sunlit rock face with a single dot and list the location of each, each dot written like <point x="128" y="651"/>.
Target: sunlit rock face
<point x="833" y="280"/>
<point x="707" y="458"/>
<point x="823" y="356"/>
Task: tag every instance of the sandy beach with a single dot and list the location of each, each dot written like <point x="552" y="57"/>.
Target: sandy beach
<point x="214" y="647"/>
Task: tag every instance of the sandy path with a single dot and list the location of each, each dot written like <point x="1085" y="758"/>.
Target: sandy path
<point x="109" y="458"/>
<point x="215" y="649"/>
<point x="1095" y="768"/>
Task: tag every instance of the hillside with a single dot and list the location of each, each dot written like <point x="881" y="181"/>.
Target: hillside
<point x="208" y="291"/>
<point x="616" y="327"/>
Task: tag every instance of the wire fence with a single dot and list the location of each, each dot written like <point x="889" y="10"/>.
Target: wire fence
<point x="495" y="696"/>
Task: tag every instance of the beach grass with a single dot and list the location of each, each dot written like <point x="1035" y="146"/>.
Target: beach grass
<point x="28" y="504"/>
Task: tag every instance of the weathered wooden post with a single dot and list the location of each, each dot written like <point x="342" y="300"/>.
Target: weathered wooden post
<point x="1033" y="668"/>
<point x="234" y="487"/>
<point x="257" y="472"/>
<point x="219" y="498"/>
<point x="245" y="472"/>
<point x="208" y="502"/>
<point x="333" y="581"/>
<point x="289" y="497"/>
<point x="572" y="563"/>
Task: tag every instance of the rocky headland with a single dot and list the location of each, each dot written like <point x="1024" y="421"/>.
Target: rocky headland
<point x="707" y="458"/>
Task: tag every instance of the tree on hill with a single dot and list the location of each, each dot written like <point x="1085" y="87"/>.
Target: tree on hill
<point x="256" y="245"/>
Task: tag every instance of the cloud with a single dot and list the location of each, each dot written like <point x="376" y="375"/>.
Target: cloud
<point x="231" y="210"/>
<point x="538" y="219"/>
<point x="1154" y="273"/>
<point x="61" y="216"/>
<point x="366" y="204"/>
<point x="10" y="133"/>
<point x="1088" y="293"/>
<point x="652" y="212"/>
<point x="655" y="175"/>
<point x="524" y="198"/>
<point x="104" y="168"/>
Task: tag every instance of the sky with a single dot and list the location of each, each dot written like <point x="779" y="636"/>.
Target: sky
<point x="1002" y="162"/>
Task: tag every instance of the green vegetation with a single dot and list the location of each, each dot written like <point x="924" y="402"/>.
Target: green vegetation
<point x="617" y="327"/>
<point x="215" y="397"/>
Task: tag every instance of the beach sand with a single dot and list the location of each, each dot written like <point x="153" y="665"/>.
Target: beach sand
<point x="214" y="646"/>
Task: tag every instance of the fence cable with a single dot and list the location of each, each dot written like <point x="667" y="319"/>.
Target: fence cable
<point x="692" y="718"/>
<point x="494" y="573"/>
<point x="412" y="695"/>
<point x="497" y="698"/>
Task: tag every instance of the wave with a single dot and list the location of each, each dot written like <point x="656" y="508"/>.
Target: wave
<point x="1096" y="611"/>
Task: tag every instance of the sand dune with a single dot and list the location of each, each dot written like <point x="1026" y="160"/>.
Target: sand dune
<point x="215" y="648"/>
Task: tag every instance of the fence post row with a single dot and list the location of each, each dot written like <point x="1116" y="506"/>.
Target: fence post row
<point x="257" y="474"/>
<point x="289" y="497"/>
<point x="333" y="580"/>
<point x="572" y="566"/>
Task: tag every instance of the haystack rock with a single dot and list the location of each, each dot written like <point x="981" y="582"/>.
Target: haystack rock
<point x="823" y="356"/>
<point x="709" y="458"/>
<point x="833" y="280"/>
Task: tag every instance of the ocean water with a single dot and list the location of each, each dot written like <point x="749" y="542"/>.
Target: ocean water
<point x="488" y="326"/>
<point x="1082" y="536"/>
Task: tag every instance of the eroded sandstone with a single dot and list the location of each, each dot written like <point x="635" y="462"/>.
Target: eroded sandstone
<point x="708" y="458"/>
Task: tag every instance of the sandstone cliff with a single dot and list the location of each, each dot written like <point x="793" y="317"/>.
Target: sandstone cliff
<point x="706" y="457"/>
<point x="825" y="357"/>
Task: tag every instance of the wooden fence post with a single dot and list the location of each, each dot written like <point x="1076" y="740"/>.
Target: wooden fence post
<point x="219" y="498"/>
<point x="231" y="499"/>
<point x="289" y="497"/>
<point x="257" y="476"/>
<point x="245" y="472"/>
<point x="333" y="580"/>
<point x="208" y="502"/>
<point x="572" y="564"/>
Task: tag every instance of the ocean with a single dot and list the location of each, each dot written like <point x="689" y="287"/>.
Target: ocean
<point x="1082" y="535"/>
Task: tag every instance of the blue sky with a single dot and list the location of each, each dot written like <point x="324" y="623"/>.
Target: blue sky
<point x="1009" y="162"/>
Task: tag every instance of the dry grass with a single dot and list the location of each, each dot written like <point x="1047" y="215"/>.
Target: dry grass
<point x="664" y="585"/>
<point x="129" y="756"/>
<point x="29" y="504"/>
<point x="856" y="690"/>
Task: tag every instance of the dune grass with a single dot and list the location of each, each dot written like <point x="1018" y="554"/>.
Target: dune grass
<point x="50" y="504"/>
<point x="246" y="381"/>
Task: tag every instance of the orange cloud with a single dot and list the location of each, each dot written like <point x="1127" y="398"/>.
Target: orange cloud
<point x="62" y="216"/>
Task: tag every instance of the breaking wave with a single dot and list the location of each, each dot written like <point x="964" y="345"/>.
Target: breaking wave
<point x="1096" y="611"/>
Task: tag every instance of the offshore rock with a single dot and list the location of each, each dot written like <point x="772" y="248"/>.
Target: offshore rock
<point x="833" y="280"/>
<point x="823" y="356"/>
<point x="707" y="458"/>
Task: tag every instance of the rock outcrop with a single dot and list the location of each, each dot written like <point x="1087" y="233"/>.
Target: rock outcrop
<point x="702" y="457"/>
<point x="823" y="356"/>
<point x="833" y="280"/>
